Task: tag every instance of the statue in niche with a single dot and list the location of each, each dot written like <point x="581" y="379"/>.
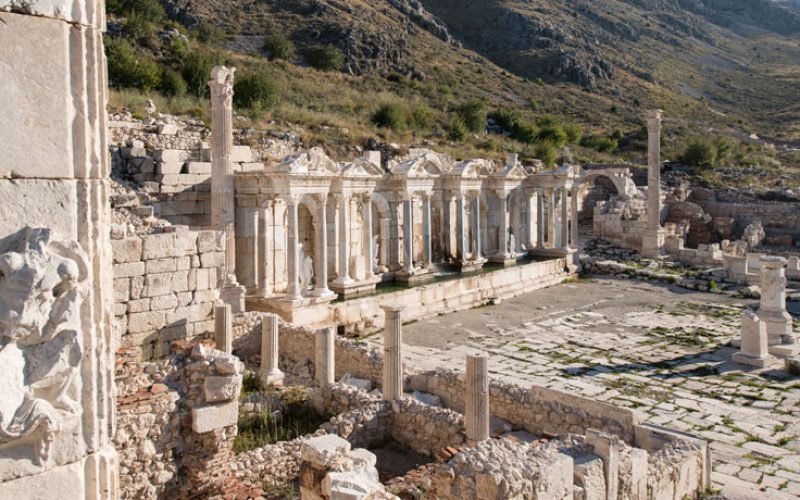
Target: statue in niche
<point x="512" y="243"/>
<point x="306" y="268"/>
<point x="376" y="248"/>
<point x="42" y="285"/>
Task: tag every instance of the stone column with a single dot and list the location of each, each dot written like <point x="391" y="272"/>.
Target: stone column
<point x="476" y="416"/>
<point x="772" y="310"/>
<point x="502" y="233"/>
<point x="394" y="236"/>
<point x="247" y="243"/>
<point x="369" y="249"/>
<point x="321" y="257"/>
<point x="408" y="235"/>
<point x="344" y="279"/>
<point x="426" y="230"/>
<point x="461" y="228"/>
<point x="392" y="353"/>
<point x="540" y="222"/>
<point x="324" y="356"/>
<point x="574" y="219"/>
<point x="264" y="257"/>
<point x="57" y="366"/>
<point x="530" y="220"/>
<point x="223" y="328"/>
<point x="654" y="237"/>
<point x="222" y="192"/>
<point x="477" y="232"/>
<point x="292" y="258"/>
<point x="551" y="217"/>
<point x="270" y="373"/>
<point x="564" y="219"/>
<point x="386" y="238"/>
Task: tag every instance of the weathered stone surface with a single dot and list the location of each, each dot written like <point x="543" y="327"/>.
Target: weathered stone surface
<point x="324" y="451"/>
<point x="211" y="417"/>
<point x="218" y="389"/>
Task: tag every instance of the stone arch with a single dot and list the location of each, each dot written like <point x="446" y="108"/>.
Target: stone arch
<point x="602" y="185"/>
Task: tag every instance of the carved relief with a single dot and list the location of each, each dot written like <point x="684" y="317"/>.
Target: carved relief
<point x="42" y="285"/>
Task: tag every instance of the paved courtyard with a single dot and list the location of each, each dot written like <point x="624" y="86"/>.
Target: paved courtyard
<point x="657" y="348"/>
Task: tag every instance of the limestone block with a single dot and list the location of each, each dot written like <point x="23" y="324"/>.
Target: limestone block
<point x="129" y="269"/>
<point x="217" y="389"/>
<point x="167" y="129"/>
<point x="590" y="477"/>
<point x="141" y="305"/>
<point x="146" y="321"/>
<point x="197" y="167"/>
<point x="164" y="302"/>
<point x="167" y="168"/>
<point x="251" y="167"/>
<point x="171" y="155"/>
<point x="324" y="451"/>
<point x="127" y="250"/>
<point x="350" y="485"/>
<point x="165" y="265"/>
<point x="241" y="154"/>
<point x="122" y="289"/>
<point x="158" y="246"/>
<point x="356" y="382"/>
<point x="212" y="417"/>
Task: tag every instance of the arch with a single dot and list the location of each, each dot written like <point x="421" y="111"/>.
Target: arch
<point x="622" y="180"/>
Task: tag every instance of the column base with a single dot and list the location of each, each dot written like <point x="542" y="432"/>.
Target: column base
<point x="274" y="377"/>
<point x="323" y="293"/>
<point x="755" y="361"/>
<point x="466" y="266"/>
<point x="506" y="259"/>
<point x="416" y="277"/>
<point x="653" y="243"/>
<point x="356" y="288"/>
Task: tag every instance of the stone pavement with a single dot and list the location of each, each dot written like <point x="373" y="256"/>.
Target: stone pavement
<point x="656" y="348"/>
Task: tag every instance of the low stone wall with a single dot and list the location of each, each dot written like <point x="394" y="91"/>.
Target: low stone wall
<point x="366" y="315"/>
<point x="165" y="286"/>
<point x="621" y="221"/>
<point x="426" y="429"/>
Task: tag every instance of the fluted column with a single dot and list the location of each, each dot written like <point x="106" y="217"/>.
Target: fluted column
<point x="461" y="229"/>
<point x="564" y="218"/>
<point x="408" y="235"/>
<point x="530" y="220"/>
<point x="264" y="257"/>
<point x="223" y="216"/>
<point x="540" y="222"/>
<point x="343" y="279"/>
<point x="394" y="236"/>
<point x="324" y="356"/>
<point x="477" y="236"/>
<point x="292" y="259"/>
<point x="426" y="231"/>
<point x="369" y="249"/>
<point x="502" y="233"/>
<point x="574" y="219"/>
<point x="476" y="416"/>
<point x="551" y="217"/>
<point x="270" y="373"/>
<point x="654" y="169"/>
<point x="392" y="353"/>
<point x="321" y="254"/>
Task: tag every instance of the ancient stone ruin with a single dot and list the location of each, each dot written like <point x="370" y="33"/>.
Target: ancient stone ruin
<point x="182" y="316"/>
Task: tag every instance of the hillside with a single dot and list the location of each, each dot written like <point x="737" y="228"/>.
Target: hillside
<point x="717" y="67"/>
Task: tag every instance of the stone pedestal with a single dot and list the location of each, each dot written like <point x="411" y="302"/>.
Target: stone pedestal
<point x="476" y="416"/>
<point x="754" y="350"/>
<point x="270" y="373"/>
<point x="223" y="328"/>
<point x="392" y="353"/>
<point x="772" y="310"/>
<point x="324" y="357"/>
<point x="653" y="243"/>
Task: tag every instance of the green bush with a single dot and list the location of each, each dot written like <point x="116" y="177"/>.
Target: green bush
<point x="699" y="153"/>
<point x="601" y="144"/>
<point x="473" y="113"/>
<point x="504" y="119"/>
<point x="458" y="129"/>
<point x="546" y="152"/>
<point x="574" y="134"/>
<point x="256" y="91"/>
<point x="127" y="69"/>
<point x="209" y="34"/>
<point x="279" y="48"/>
<point x="552" y="133"/>
<point x="422" y="117"/>
<point x="324" y="57"/>
<point x="177" y="49"/>
<point x="172" y="83"/>
<point x="196" y="70"/>
<point x="138" y="27"/>
<point x="392" y="115"/>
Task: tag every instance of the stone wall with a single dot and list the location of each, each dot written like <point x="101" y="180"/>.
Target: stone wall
<point x="426" y="429"/>
<point x="165" y="286"/>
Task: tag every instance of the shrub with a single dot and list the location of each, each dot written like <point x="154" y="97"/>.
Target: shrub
<point x="504" y="118"/>
<point x="699" y="153"/>
<point x="724" y="149"/>
<point x="172" y="83"/>
<point x="152" y="10"/>
<point x="422" y="117"/>
<point x="324" y="57"/>
<point x="196" y="70"/>
<point x="279" y="48"/>
<point x="473" y="113"/>
<point x="178" y="49"/>
<point x="574" y="134"/>
<point x="524" y="132"/>
<point x="256" y="91"/>
<point x="392" y="115"/>
<point x="546" y="152"/>
<point x="138" y="27"/>
<point x="209" y="34"/>
<point x="458" y="129"/>
<point x="601" y="144"/>
<point x="554" y="134"/>
<point x="127" y="69"/>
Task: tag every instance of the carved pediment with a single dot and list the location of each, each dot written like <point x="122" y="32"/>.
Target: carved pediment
<point x="473" y="168"/>
<point x="361" y="167"/>
<point x="43" y="283"/>
<point x="311" y="162"/>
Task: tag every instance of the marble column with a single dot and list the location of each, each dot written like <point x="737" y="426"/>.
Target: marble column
<point x="540" y="222"/>
<point x="369" y="248"/>
<point x="564" y="219"/>
<point x="223" y="215"/>
<point x="461" y="228"/>
<point x="324" y="357"/>
<point x="502" y="233"/>
<point x="530" y="220"/>
<point x="476" y="416"/>
<point x="394" y="236"/>
<point x="344" y="240"/>
<point x="270" y="373"/>
<point x="574" y="219"/>
<point x="264" y="256"/>
<point x="223" y="328"/>
<point x="772" y="310"/>
<point x="477" y="226"/>
<point x="392" y="353"/>
<point x="386" y="239"/>
<point x="551" y="217"/>
<point x="426" y="231"/>
<point x="321" y="254"/>
<point x="654" y="169"/>
<point x="292" y="258"/>
<point x="408" y="235"/>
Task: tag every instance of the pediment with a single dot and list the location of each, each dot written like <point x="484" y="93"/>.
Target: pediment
<point x="311" y="162"/>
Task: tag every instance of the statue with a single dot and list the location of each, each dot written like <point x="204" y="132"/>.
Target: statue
<point x="512" y="243"/>
<point x="376" y="248"/>
<point x="306" y="268"/>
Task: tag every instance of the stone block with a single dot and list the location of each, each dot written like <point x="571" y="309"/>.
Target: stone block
<point x="164" y="302"/>
<point x="241" y="154"/>
<point x="167" y="168"/>
<point x="122" y="289"/>
<point x="126" y="250"/>
<point x="165" y="265"/>
<point x="199" y="167"/>
<point x="145" y="321"/>
<point x="171" y="155"/>
<point x="351" y="485"/>
<point x="324" y="451"/>
<point x="167" y="129"/>
<point x="218" y="389"/>
<point x="213" y="417"/>
<point x="129" y="269"/>
<point x="158" y="246"/>
<point x="141" y="305"/>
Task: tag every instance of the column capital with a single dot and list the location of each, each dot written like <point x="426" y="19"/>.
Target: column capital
<point x="654" y="117"/>
<point x="221" y="84"/>
<point x="322" y="198"/>
<point x="366" y="197"/>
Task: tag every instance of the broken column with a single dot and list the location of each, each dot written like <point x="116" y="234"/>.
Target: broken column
<point x="329" y="469"/>
<point x="270" y="373"/>
<point x="754" y="348"/>
<point x="476" y="417"/>
<point x="392" y="353"/>
<point x="223" y="329"/>
<point x="772" y="310"/>
<point x="654" y="236"/>
<point x="324" y="357"/>
<point x="223" y="215"/>
<point x="606" y="446"/>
